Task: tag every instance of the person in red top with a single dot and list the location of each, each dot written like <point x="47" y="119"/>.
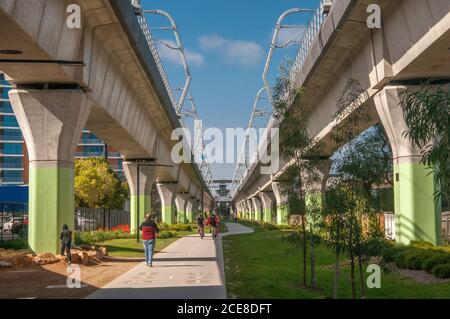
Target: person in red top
<point x="214" y="223"/>
<point x="149" y="232"/>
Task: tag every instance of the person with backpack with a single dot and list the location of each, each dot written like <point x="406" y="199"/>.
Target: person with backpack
<point x="201" y="225"/>
<point x="149" y="233"/>
<point x="66" y="243"/>
<point x="214" y="222"/>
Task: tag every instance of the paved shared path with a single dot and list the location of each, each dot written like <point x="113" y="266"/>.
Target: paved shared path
<point x="190" y="268"/>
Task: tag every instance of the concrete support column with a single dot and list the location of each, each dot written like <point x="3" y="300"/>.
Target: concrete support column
<point x="416" y="211"/>
<point x="267" y="199"/>
<point x="51" y="122"/>
<point x="195" y="207"/>
<point x="242" y="211"/>
<point x="239" y="210"/>
<point x="190" y="209"/>
<point x="257" y="209"/>
<point x="315" y="182"/>
<point x="282" y="204"/>
<point x="143" y="197"/>
<point x="168" y="194"/>
<point x="181" y="202"/>
<point x="250" y="209"/>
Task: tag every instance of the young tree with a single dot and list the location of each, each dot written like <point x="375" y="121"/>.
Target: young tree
<point x="98" y="186"/>
<point x="361" y="164"/>
<point x="295" y="143"/>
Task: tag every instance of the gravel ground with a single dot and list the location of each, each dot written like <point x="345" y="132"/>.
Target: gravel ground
<point x="32" y="282"/>
<point x="421" y="276"/>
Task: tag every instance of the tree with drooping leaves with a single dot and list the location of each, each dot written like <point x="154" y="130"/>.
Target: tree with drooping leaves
<point x="427" y="115"/>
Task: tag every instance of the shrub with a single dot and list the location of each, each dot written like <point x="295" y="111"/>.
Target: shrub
<point x="176" y="227"/>
<point x="286" y="227"/>
<point x="269" y="226"/>
<point x="180" y="227"/>
<point x="434" y="261"/>
<point x="421" y="245"/>
<point x="166" y="234"/>
<point x="399" y="258"/>
<point x="96" y="237"/>
<point x="163" y="226"/>
<point x="442" y="271"/>
<point x="416" y="258"/>
<point x="376" y="248"/>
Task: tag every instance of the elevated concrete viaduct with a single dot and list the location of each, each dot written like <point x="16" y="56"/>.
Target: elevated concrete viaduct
<point x="104" y="76"/>
<point x="411" y="47"/>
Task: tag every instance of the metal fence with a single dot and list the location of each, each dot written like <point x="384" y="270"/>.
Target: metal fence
<point x="91" y="219"/>
<point x="13" y="221"/>
<point x="446" y="225"/>
<point x="389" y="225"/>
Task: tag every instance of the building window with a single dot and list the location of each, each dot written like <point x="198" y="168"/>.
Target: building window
<point x="11" y="177"/>
<point x="11" y="163"/>
<point x="12" y="149"/>
<point x="8" y="121"/>
<point x="93" y="151"/>
<point x="5" y="107"/>
<point x="11" y="135"/>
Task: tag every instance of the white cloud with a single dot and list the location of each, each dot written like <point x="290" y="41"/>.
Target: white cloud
<point x="245" y="53"/>
<point x="173" y="56"/>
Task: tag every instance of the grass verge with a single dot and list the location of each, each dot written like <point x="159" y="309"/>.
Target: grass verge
<point x="261" y="265"/>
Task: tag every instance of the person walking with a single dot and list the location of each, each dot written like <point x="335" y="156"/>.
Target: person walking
<point x="149" y="232"/>
<point x="201" y="225"/>
<point x="66" y="243"/>
<point x="214" y="222"/>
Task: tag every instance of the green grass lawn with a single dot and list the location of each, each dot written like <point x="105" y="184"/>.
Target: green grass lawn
<point x="132" y="249"/>
<point x="261" y="265"/>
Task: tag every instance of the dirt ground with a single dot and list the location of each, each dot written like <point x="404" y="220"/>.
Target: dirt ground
<point x="36" y="281"/>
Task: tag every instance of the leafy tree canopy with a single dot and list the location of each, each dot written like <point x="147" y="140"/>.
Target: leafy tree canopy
<point x="98" y="186"/>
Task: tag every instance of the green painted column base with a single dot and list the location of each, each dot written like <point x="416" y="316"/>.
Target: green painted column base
<point x="267" y="214"/>
<point x="282" y="215"/>
<point x="144" y="208"/>
<point x="168" y="215"/>
<point x="417" y="213"/>
<point x="258" y="216"/>
<point x="51" y="205"/>
<point x="181" y="217"/>
<point x="189" y="216"/>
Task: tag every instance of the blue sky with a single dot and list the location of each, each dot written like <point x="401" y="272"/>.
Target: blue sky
<point x="226" y="42"/>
